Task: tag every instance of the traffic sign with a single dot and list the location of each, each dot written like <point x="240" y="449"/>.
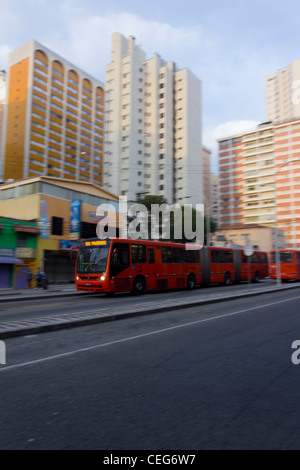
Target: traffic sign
<point x="248" y="250"/>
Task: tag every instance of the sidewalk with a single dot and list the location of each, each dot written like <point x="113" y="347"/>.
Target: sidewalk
<point x="9" y="329"/>
<point x="33" y="293"/>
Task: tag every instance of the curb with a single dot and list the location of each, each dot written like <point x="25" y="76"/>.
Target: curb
<point x="47" y="324"/>
<point x="49" y="295"/>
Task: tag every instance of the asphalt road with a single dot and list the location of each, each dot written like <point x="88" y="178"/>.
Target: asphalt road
<point x="13" y="310"/>
<point x="218" y="376"/>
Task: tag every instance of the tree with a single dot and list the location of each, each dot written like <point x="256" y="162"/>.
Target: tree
<point x="213" y="226"/>
<point x="158" y="221"/>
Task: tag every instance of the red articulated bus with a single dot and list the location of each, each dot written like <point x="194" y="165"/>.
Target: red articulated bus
<point x="122" y="265"/>
<point x="289" y="264"/>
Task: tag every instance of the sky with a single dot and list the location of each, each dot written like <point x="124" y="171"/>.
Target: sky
<point x="230" y="46"/>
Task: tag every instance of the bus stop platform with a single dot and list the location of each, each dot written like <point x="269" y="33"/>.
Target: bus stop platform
<point x="107" y="312"/>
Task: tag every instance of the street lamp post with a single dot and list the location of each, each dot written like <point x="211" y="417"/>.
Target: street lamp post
<point x="208" y="225"/>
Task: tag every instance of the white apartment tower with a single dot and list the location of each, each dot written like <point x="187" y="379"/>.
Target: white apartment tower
<point x="152" y="127"/>
<point x="283" y="93"/>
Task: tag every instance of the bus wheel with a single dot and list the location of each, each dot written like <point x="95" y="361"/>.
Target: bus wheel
<point x="227" y="280"/>
<point x="256" y="277"/>
<point x="138" y="286"/>
<point x="191" y="282"/>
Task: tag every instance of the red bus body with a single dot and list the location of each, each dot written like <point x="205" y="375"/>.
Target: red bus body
<point x="120" y="265"/>
<point x="289" y="265"/>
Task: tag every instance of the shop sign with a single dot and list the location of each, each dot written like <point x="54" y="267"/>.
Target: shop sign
<point x="7" y="252"/>
<point x="75" y="209"/>
<point x="68" y="244"/>
<point x="25" y="252"/>
<point x="44" y="223"/>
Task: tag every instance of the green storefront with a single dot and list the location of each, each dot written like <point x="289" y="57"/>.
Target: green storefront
<point x="18" y="247"/>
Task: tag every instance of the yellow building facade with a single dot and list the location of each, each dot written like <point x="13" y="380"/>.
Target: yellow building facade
<point x="66" y="212"/>
<point x="53" y="120"/>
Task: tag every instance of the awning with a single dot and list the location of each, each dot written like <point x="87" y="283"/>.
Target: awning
<point x="26" y="228"/>
<point x="10" y="260"/>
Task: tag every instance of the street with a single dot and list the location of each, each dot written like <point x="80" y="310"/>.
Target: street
<point x="218" y="376"/>
<point x="14" y="309"/>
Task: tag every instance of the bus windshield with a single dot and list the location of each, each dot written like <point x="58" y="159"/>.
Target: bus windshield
<point x="285" y="257"/>
<point x="92" y="259"/>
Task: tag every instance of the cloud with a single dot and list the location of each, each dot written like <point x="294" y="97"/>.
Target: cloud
<point x="231" y="128"/>
<point x="4" y="52"/>
<point x="9" y="20"/>
<point x="86" y="40"/>
<point x="224" y="130"/>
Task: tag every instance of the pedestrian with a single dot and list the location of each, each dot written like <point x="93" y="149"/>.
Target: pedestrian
<point x="39" y="278"/>
<point x="44" y="281"/>
<point x="29" y="278"/>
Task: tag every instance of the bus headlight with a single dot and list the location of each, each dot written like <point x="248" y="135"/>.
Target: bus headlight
<point x="102" y="278"/>
<point x="77" y="278"/>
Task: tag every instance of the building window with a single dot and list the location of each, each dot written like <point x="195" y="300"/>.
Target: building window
<point x="57" y="226"/>
<point x="21" y="242"/>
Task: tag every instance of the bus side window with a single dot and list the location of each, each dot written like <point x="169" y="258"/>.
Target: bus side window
<point x="215" y="258"/>
<point x="138" y="253"/>
<point x="178" y="255"/>
<point x="227" y="257"/>
<point x="166" y="255"/>
<point x="151" y="258"/>
<point x="120" y="254"/>
<point x="192" y="256"/>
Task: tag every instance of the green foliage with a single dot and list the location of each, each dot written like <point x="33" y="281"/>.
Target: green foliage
<point x="150" y="200"/>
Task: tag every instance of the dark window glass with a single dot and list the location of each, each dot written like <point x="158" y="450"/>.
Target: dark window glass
<point x="57" y="225"/>
<point x="166" y="255"/>
<point x="178" y="255"/>
<point x="227" y="256"/>
<point x="120" y="254"/>
<point x="21" y="242"/>
<point x="191" y="256"/>
<point x="151" y="258"/>
<point x="138" y="253"/>
<point x="285" y="257"/>
<point x="215" y="256"/>
<point x="88" y="230"/>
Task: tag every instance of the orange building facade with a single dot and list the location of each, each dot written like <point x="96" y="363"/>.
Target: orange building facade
<point x="54" y="118"/>
<point x="259" y="175"/>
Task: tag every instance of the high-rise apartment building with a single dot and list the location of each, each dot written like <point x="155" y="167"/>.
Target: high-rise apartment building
<point x="54" y="118"/>
<point x="2" y="100"/>
<point x="215" y="197"/>
<point x="283" y="93"/>
<point x="207" y="188"/>
<point x="230" y="182"/>
<point x="152" y="127"/>
<point x="260" y="179"/>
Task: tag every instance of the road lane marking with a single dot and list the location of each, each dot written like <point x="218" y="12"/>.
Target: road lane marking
<point x="143" y="335"/>
<point x="12" y="310"/>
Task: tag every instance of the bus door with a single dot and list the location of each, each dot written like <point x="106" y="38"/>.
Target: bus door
<point x="119" y="271"/>
<point x="298" y="264"/>
<point x="151" y="271"/>
<point x="205" y="266"/>
<point x="237" y="260"/>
